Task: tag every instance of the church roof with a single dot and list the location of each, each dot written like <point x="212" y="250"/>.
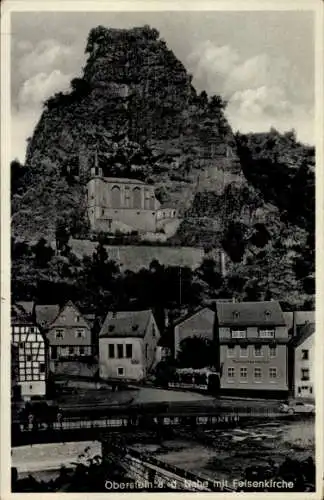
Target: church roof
<point x="122" y="180"/>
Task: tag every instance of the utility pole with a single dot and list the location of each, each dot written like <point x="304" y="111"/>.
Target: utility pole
<point x="180" y="287"/>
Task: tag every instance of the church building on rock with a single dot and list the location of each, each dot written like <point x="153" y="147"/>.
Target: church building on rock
<point x="125" y="205"/>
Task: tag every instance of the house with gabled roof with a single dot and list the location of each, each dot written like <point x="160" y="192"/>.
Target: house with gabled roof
<point x="29" y="355"/>
<point x="303" y="369"/>
<point x="199" y="323"/>
<point x="128" y="345"/>
<point x="253" y="339"/>
<point x="67" y="331"/>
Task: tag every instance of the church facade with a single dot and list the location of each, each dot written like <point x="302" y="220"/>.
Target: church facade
<point x="120" y="204"/>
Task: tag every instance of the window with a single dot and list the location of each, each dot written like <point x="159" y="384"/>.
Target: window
<point x="59" y="334"/>
<point x="80" y="334"/>
<point x="120" y="351"/>
<point x="81" y="351"/>
<point x="266" y="333"/>
<point x="120" y="371"/>
<point x="243" y="373"/>
<point x="305" y="374"/>
<point x="71" y="350"/>
<point x="153" y="331"/>
<point x="305" y="354"/>
<point x="77" y="319"/>
<point x="146" y="350"/>
<point x="28" y="358"/>
<point x="129" y="351"/>
<point x="231" y="372"/>
<point x="238" y="334"/>
<point x="236" y="315"/>
<point x="243" y="351"/>
<point x="102" y="211"/>
<point x="311" y="390"/>
<point x="267" y="314"/>
<point x="258" y="350"/>
<point x="273" y="351"/>
<point x="257" y="373"/>
<point x="30" y="387"/>
<point x="54" y="352"/>
<point x="272" y="373"/>
<point x="42" y="367"/>
<point x="230" y="351"/>
<point x="111" y="350"/>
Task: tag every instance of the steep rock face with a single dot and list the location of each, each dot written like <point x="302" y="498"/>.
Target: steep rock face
<point x="136" y="109"/>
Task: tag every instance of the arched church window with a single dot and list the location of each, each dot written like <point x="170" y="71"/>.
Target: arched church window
<point x="127" y="197"/>
<point x="115" y="197"/>
<point x="152" y="202"/>
<point x="137" y="198"/>
<point x="147" y="205"/>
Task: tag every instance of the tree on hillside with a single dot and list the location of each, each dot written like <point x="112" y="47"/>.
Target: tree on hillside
<point x="234" y="242"/>
<point x="43" y="253"/>
<point x="62" y="235"/>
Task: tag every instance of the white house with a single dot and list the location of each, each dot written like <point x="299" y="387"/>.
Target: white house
<point x="304" y="363"/>
<point x="128" y="345"/>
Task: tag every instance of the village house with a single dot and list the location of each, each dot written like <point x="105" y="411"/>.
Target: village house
<point x="128" y="345"/>
<point x="29" y="355"/>
<point x="125" y="205"/>
<point x="253" y="338"/>
<point x="304" y="362"/>
<point x="199" y="323"/>
<point x="67" y="331"/>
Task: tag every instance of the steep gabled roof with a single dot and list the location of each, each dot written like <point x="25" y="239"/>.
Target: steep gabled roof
<point x="28" y="306"/>
<point x="305" y="332"/>
<point x="58" y="318"/>
<point x="125" y="324"/>
<point x="189" y="315"/>
<point x="250" y="313"/>
<point x="46" y="314"/>
<point x="19" y="315"/>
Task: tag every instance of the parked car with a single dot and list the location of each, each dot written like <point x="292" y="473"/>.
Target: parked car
<point x="297" y="407"/>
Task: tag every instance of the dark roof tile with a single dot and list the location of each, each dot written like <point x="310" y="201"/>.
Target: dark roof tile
<point x="250" y="313"/>
<point x="125" y="324"/>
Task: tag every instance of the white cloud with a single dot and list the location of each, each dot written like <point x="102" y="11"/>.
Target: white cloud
<point x="262" y="91"/>
<point x="41" y="86"/>
<point x="30" y="101"/>
<point x="24" y="45"/>
<point x="43" y="70"/>
<point x="46" y="56"/>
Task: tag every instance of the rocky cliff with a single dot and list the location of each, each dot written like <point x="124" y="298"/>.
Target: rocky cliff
<point x="136" y="110"/>
<point x="135" y="107"/>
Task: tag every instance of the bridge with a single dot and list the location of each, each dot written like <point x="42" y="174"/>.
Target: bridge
<point x="76" y="428"/>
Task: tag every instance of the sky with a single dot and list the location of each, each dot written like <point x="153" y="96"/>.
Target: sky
<point x="261" y="62"/>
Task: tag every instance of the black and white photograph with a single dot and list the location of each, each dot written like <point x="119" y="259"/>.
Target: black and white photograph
<point x="162" y="250"/>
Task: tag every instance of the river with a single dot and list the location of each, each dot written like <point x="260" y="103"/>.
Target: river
<point x="216" y="454"/>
